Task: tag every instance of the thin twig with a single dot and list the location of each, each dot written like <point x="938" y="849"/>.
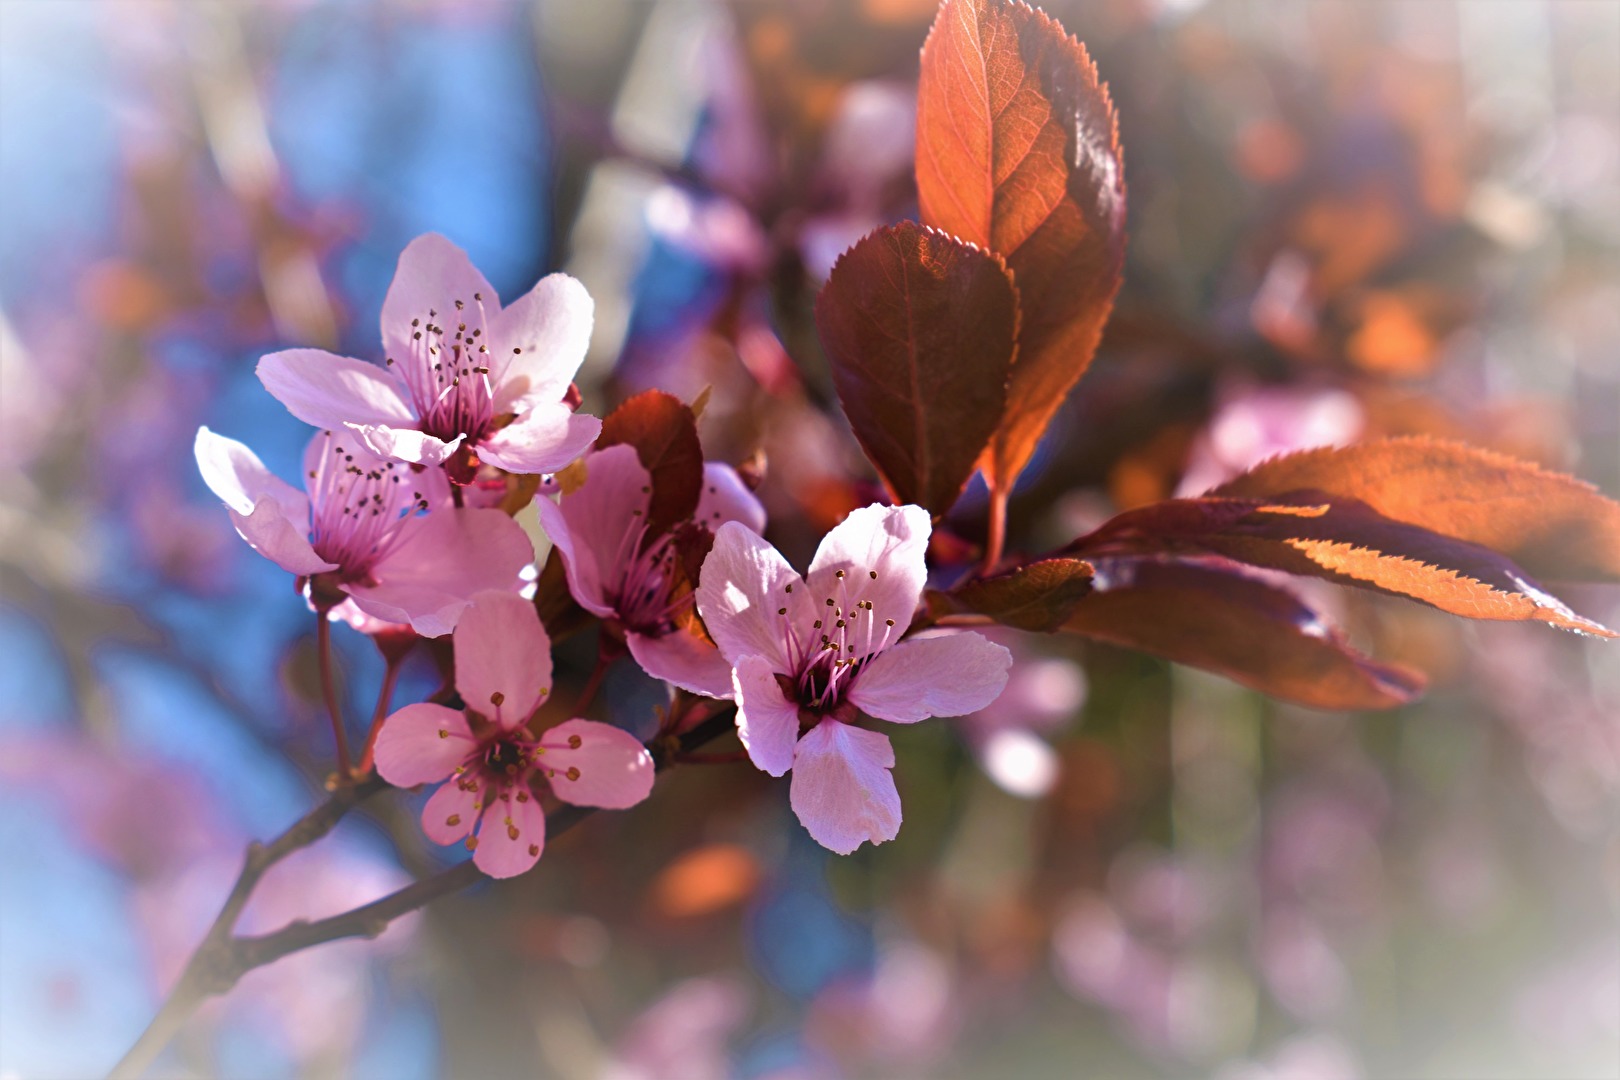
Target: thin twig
<point x="385" y="698"/>
<point x="223" y="957"/>
<point x="208" y="972"/>
<point x="604" y="660"/>
<point x="323" y="646"/>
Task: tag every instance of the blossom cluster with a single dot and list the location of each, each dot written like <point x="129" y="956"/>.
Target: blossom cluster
<point x="403" y="526"/>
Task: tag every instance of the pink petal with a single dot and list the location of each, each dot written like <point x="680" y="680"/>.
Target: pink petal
<point x="842" y="790"/>
<point x="511" y="834"/>
<point x="552" y="325"/>
<point x="934" y="676"/>
<point x="405" y="443"/>
<point x="239" y="478"/>
<point x="684" y="659"/>
<point x="331" y="391"/>
<point x="441" y="562"/>
<point x="726" y="498"/>
<point x="744" y="585"/>
<point x="422" y="743"/>
<point x="599" y="524"/>
<point x="349" y="612"/>
<point x="451" y="803"/>
<point x="542" y="440"/>
<point x="767" y="722"/>
<point x="890" y="541"/>
<point x="614" y="771"/>
<point x="503" y="658"/>
<point x="432" y="275"/>
<point x="284" y="543"/>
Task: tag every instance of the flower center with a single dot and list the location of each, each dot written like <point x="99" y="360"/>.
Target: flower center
<point x="447" y="372"/>
<point x="828" y="654"/>
<point x="507" y="757"/>
<point x="358" y="506"/>
<point x="640" y="595"/>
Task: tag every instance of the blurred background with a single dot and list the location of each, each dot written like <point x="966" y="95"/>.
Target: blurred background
<point x="1347" y="219"/>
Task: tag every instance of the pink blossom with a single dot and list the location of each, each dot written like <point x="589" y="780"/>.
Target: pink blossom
<point x="495" y="765"/>
<point x="360" y="532"/>
<point x="809" y="654"/>
<point x="615" y="570"/>
<point x="682" y="1036"/>
<point x="462" y="372"/>
<point x="1254" y="424"/>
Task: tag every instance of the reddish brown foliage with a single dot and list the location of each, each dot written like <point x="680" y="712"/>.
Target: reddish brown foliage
<point x="1251" y="632"/>
<point x="1555" y="526"/>
<point x="1018" y="152"/>
<point x="920" y="329"/>
<point x="1343" y="540"/>
<point x="1038" y="597"/>
<point x="662" y="429"/>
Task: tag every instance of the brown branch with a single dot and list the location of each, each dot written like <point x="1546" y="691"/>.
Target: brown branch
<point x="223" y="957"/>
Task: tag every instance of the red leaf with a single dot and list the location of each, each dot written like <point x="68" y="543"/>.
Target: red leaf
<point x="1036" y="597"/>
<point x="661" y="428"/>
<point x="1555" y="526"/>
<point x="1346" y="541"/>
<point x="1018" y="152"/>
<point x="1253" y="633"/>
<point x="920" y="330"/>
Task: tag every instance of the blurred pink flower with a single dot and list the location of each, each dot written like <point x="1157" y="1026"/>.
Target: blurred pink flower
<point x="904" y="1015"/>
<point x="489" y="757"/>
<point x="716" y="229"/>
<point x="683" y="1035"/>
<point x="360" y="532"/>
<point x="313" y="1002"/>
<point x="1311" y="1056"/>
<point x="1253" y="424"/>
<point x="146" y="817"/>
<point x="1042" y="694"/>
<point x="615" y="570"/>
<point x="808" y="654"/>
<point x="460" y="369"/>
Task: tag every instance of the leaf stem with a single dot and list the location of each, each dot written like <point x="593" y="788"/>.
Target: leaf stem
<point x="997" y="538"/>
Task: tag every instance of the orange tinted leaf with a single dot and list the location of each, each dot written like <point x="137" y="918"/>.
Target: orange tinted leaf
<point x="1253" y="633"/>
<point x="705" y="880"/>
<point x="1342" y="540"/>
<point x="1018" y="152"/>
<point x="661" y="428"/>
<point x="1553" y="525"/>
<point x="1037" y="597"/>
<point x="920" y="329"/>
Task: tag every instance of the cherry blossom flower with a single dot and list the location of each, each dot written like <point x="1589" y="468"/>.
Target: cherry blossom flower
<point x="809" y="654"/>
<point x="360" y="535"/>
<point x="462" y="373"/>
<point x="615" y="570"/>
<point x="494" y="765"/>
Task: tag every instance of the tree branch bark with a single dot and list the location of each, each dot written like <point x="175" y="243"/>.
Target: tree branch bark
<point x="224" y="957"/>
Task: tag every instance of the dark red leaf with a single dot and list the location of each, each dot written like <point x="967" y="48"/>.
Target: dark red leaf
<point x="559" y="613"/>
<point x="1036" y="597"/>
<point x="1253" y="633"/>
<point x="1343" y="540"/>
<point x="1018" y="152"/>
<point x="661" y="428"/>
<point x="1555" y="526"/>
<point x="920" y="330"/>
